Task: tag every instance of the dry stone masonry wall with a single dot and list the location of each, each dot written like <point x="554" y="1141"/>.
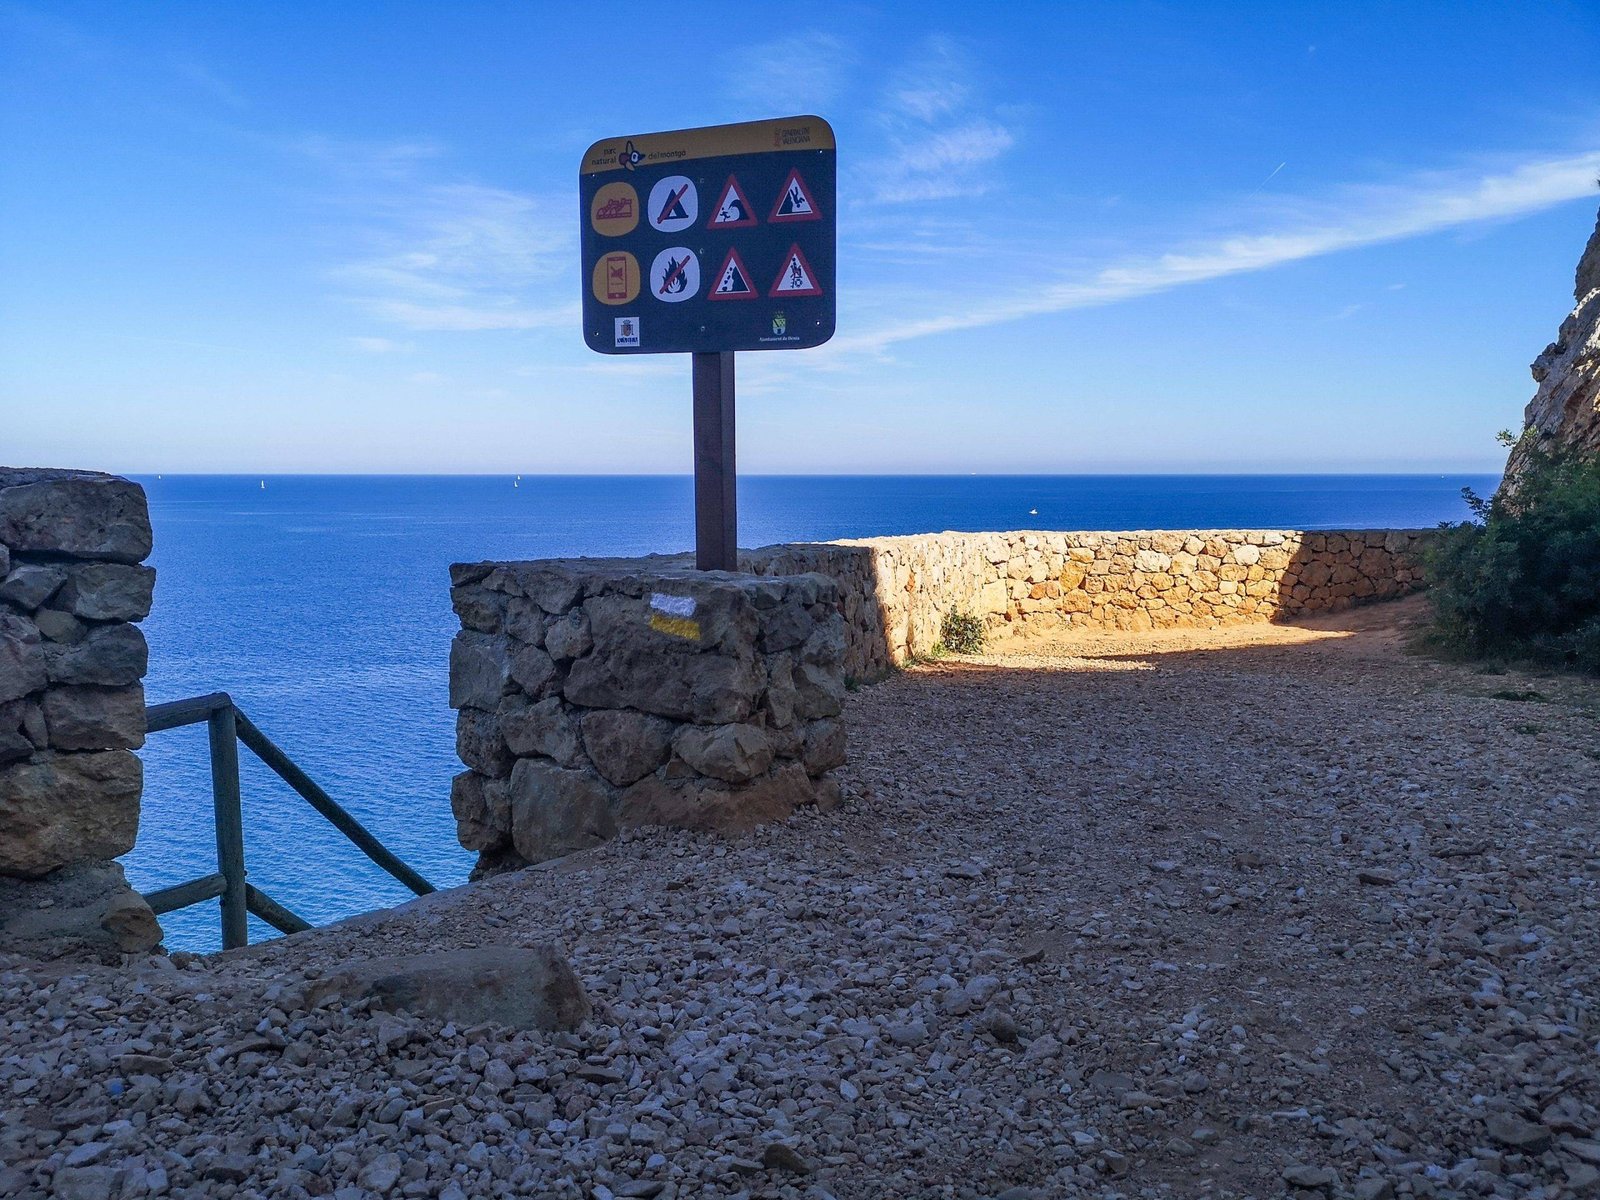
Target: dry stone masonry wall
<point x="897" y="591"/>
<point x="71" y="709"/>
<point x="594" y="695"/>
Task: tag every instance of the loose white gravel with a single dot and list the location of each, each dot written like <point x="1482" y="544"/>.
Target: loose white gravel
<point x="1121" y="916"/>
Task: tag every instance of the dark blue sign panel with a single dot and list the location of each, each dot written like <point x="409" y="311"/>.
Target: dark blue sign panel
<point x="713" y="239"/>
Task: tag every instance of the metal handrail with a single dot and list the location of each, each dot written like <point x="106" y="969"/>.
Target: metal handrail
<point x="227" y="727"/>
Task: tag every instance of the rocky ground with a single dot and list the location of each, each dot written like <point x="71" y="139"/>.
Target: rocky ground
<point x="1272" y="912"/>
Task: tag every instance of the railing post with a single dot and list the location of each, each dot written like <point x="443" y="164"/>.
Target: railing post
<point x="230" y="826"/>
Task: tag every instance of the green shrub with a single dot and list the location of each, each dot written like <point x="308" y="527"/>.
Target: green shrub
<point x="962" y="633"/>
<point x="1522" y="580"/>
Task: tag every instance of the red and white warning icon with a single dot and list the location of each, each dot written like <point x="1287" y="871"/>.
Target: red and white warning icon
<point x="732" y="209"/>
<point x="733" y="281"/>
<point x="797" y="278"/>
<point x="795" y="202"/>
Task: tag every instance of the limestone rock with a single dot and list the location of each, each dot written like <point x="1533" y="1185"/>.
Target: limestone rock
<point x="625" y="746"/>
<point x="30" y="584"/>
<point x="108" y="591"/>
<point x="109" y="656"/>
<point x="22" y="660"/>
<point x="1564" y="413"/>
<point x="480" y="671"/>
<point x="77" y="514"/>
<point x="545" y="728"/>
<point x="91" y="718"/>
<point x="86" y="909"/>
<point x="481" y="744"/>
<point x="736" y="753"/>
<point x="824" y="746"/>
<point x="516" y="987"/>
<point x="683" y="804"/>
<point x="568" y="637"/>
<point x="482" y="809"/>
<point x="555" y="811"/>
<point x="59" y="808"/>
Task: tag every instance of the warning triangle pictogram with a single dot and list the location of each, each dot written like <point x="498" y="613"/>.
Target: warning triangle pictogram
<point x="796" y="278"/>
<point x="732" y="209"/>
<point x="733" y="281"/>
<point x="795" y="202"/>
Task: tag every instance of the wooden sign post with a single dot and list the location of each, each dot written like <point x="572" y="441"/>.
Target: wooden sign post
<point x="707" y="242"/>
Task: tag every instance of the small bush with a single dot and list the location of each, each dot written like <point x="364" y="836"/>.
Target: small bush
<point x="962" y="633"/>
<point x="1522" y="580"/>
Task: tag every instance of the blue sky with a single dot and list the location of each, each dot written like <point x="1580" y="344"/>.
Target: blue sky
<point x="1137" y="237"/>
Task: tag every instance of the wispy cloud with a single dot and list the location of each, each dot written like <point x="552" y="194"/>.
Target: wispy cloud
<point x="944" y="138"/>
<point x="379" y="345"/>
<point x="461" y="257"/>
<point x="1353" y="217"/>
<point x="813" y="68"/>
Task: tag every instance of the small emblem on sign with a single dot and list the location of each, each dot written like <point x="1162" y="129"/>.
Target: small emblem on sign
<point x="780" y="324"/>
<point x="795" y="202"/>
<point x="616" y="278"/>
<point x="733" y="281"/>
<point x="627" y="332"/>
<point x="796" y="278"/>
<point x="732" y="209"/>
<point x="673" y="204"/>
<point x="675" y="275"/>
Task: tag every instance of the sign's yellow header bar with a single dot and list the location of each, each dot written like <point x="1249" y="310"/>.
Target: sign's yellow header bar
<point x="714" y="141"/>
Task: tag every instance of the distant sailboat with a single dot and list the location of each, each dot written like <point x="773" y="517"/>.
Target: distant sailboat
<point x="1033" y="512"/>
<point x="517" y="482"/>
<point x="263" y="485"/>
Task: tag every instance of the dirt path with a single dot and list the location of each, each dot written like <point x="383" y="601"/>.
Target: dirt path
<point x="1183" y="914"/>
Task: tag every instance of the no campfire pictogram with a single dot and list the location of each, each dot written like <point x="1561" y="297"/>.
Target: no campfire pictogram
<point x="795" y="202"/>
<point x="732" y="210"/>
<point x="797" y="278"/>
<point x="733" y="281"/>
<point x="675" y="275"/>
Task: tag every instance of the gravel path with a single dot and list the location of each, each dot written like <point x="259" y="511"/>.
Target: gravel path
<point x="1260" y="913"/>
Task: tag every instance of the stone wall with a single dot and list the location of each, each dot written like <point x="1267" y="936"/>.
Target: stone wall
<point x="896" y="591"/>
<point x="71" y="709"/>
<point x="594" y="695"/>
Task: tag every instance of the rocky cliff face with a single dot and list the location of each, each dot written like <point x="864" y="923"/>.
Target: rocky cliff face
<point x="1566" y="409"/>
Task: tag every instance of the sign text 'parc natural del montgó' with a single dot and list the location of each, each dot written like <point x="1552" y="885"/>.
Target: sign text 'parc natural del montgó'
<point x="710" y="240"/>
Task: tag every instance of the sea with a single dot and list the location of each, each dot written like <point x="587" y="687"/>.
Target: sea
<point x="321" y="604"/>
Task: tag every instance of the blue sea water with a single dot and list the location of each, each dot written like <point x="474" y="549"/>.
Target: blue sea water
<point x="321" y="603"/>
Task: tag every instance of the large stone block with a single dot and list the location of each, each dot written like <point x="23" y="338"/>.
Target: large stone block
<point x="555" y="811"/>
<point x="60" y="808"/>
<point x="30" y="584"/>
<point x="107" y="592"/>
<point x="735" y="753"/>
<point x="91" y="718"/>
<point x="626" y="746"/>
<point x="108" y="656"/>
<point x="513" y="986"/>
<point x="22" y="659"/>
<point x="480" y="670"/>
<point x="75" y="514"/>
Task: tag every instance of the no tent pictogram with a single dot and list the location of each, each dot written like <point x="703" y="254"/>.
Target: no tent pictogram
<point x="732" y="209"/>
<point x="733" y="281"/>
<point x="796" y="278"/>
<point x="795" y="202"/>
<point x="673" y="204"/>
